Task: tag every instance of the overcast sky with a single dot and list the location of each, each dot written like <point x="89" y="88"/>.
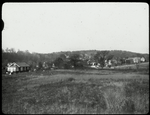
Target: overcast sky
<point x="53" y="27"/>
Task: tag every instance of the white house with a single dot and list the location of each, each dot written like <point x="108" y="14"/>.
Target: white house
<point x="142" y="59"/>
<point x="95" y="65"/>
<point x="109" y="63"/>
<point x="17" y="67"/>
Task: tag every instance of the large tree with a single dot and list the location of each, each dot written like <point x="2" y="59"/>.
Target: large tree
<point x="62" y="56"/>
<point x="59" y="62"/>
<point x="109" y="57"/>
<point x="100" y="57"/>
<point x="74" y="60"/>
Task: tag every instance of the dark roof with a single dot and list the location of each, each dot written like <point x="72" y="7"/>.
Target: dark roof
<point x="22" y="64"/>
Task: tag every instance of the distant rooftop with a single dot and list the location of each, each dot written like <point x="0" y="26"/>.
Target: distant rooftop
<point x="20" y="64"/>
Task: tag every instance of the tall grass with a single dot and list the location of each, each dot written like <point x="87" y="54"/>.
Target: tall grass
<point x="69" y="96"/>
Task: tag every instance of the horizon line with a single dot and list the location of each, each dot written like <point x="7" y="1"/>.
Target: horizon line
<point x="74" y="51"/>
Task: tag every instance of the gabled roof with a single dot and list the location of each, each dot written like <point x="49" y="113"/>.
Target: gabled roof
<point x="22" y="64"/>
<point x="19" y="64"/>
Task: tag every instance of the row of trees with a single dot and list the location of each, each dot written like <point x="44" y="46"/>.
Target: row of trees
<point x="76" y="62"/>
<point x="72" y="62"/>
<point x="100" y="57"/>
<point x="33" y="59"/>
<point x="41" y="61"/>
<point x="60" y="59"/>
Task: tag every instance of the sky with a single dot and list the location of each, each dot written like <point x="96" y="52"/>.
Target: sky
<point x="71" y="26"/>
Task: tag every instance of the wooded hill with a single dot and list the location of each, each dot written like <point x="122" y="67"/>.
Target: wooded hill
<point x="33" y="59"/>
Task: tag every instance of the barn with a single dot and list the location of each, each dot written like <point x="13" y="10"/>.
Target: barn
<point x="17" y="67"/>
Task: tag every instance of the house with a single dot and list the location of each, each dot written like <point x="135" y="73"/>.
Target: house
<point x="94" y="65"/>
<point x="17" y="67"/>
<point x="45" y="65"/>
<point x="133" y="60"/>
<point x="142" y="59"/>
<point x="67" y="56"/>
<point x="109" y="63"/>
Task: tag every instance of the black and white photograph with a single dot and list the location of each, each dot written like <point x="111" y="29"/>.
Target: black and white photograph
<point x="75" y="58"/>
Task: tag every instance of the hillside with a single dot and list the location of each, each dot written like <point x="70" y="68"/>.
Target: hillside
<point x="36" y="58"/>
<point x="115" y="53"/>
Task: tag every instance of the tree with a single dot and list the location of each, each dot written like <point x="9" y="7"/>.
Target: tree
<point x="59" y="62"/>
<point x="109" y="57"/>
<point x="74" y="60"/>
<point x="3" y="50"/>
<point x="27" y="52"/>
<point x="63" y="57"/>
<point x="40" y="65"/>
<point x="100" y="57"/>
<point x="12" y="50"/>
<point x="122" y="60"/>
<point x="7" y="50"/>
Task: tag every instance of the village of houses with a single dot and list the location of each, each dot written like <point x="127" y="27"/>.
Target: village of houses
<point x="16" y="67"/>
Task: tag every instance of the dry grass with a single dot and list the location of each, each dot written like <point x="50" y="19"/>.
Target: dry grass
<point x="74" y="95"/>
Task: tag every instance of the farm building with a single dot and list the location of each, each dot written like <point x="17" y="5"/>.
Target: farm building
<point x="133" y="60"/>
<point x="17" y="67"/>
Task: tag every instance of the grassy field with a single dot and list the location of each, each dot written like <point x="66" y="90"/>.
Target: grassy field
<point x="144" y="65"/>
<point x="76" y="92"/>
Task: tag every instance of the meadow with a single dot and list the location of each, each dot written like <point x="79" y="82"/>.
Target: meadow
<point x="76" y="92"/>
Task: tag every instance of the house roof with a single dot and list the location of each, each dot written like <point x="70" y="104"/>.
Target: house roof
<point x="22" y="64"/>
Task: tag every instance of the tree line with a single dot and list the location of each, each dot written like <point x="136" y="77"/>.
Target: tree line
<point x="64" y="60"/>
